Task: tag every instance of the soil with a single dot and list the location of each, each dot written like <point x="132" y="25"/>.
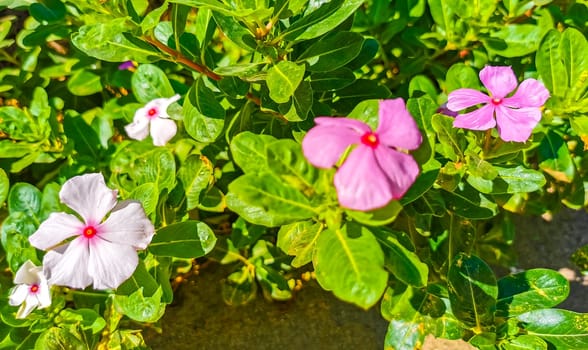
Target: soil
<point x="315" y="319"/>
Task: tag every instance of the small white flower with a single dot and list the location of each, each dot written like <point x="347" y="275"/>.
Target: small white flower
<point x="32" y="289"/>
<point x="103" y="251"/>
<point x="153" y="119"/>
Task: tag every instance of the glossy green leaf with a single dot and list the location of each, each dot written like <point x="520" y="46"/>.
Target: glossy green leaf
<point x="157" y="166"/>
<point x="47" y="10"/>
<point x="4" y="186"/>
<point x="239" y="287"/>
<point x="509" y="180"/>
<point x="187" y="239"/>
<point x="555" y="158"/>
<point x="515" y="40"/>
<point x="285" y="159"/>
<point x="139" y="307"/>
<point x="332" y="51"/>
<point x="332" y="80"/>
<point x="148" y="194"/>
<point x="264" y="199"/>
<point x="84" y="83"/>
<point x="461" y="76"/>
<point x="377" y="217"/>
<point x="562" y="328"/>
<point x="85" y="140"/>
<point x="469" y="203"/>
<point x="403" y="262"/>
<point x="422" y="84"/>
<point x="204" y="116"/>
<point x="141" y="279"/>
<point x="574" y="52"/>
<point x="150" y="82"/>
<point x="299" y="239"/>
<point x="106" y="41"/>
<point x="283" y="79"/>
<point x="472" y="290"/>
<point x="248" y="150"/>
<point x="24" y="197"/>
<point x="550" y="65"/>
<point x="530" y="290"/>
<point x="57" y="338"/>
<point x="350" y="263"/>
<point x="443" y="16"/>
<point x="196" y="175"/>
<point x="322" y="20"/>
<point x="526" y="342"/>
<point x="450" y="143"/>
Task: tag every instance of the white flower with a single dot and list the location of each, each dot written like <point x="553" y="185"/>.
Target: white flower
<point x="102" y="252"/>
<point x="32" y="289"/>
<point x="153" y="119"/>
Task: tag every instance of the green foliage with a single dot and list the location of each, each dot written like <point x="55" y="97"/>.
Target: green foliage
<point x="233" y="185"/>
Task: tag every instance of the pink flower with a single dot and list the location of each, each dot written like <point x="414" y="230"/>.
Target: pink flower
<point x="153" y="119"/>
<point x="377" y="170"/>
<point x="90" y="249"/>
<point x="127" y="65"/>
<point x="32" y="290"/>
<point x="516" y="115"/>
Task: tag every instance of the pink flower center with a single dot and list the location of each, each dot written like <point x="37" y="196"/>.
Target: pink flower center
<point x="496" y="101"/>
<point x="370" y="139"/>
<point x="89" y="231"/>
<point x="34" y="289"/>
<point x="152" y="112"/>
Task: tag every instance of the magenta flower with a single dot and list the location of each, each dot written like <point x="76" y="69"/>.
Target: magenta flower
<point x="90" y="249"/>
<point x="31" y="291"/>
<point x="127" y="65"/>
<point x="516" y="115"/>
<point x="377" y="170"/>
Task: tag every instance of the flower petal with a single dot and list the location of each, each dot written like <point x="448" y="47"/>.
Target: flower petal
<point x="464" y="98"/>
<point x="500" y="81"/>
<point x="361" y="184"/>
<point x="397" y="128"/>
<point x="400" y="168"/>
<point x="324" y="145"/>
<point x="517" y="124"/>
<point x="162" y="130"/>
<point x="139" y="128"/>
<point x="338" y="122"/>
<point x="27" y="273"/>
<point x="128" y="225"/>
<point x="26" y="308"/>
<point x="161" y="105"/>
<point x="44" y="294"/>
<point x="89" y="196"/>
<point x="480" y="119"/>
<point x="18" y="295"/>
<point x="111" y="264"/>
<point x="531" y="93"/>
<point x="69" y="268"/>
<point x="55" y="229"/>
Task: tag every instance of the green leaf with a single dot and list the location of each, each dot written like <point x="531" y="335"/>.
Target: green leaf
<point x="139" y="307"/>
<point x="196" y="175"/>
<point x="24" y="197"/>
<point x="510" y="180"/>
<point x="350" y="262"/>
<point x="514" y="40"/>
<point x="299" y="240"/>
<point x="57" y="338"/>
<point x="530" y="290"/>
<point x="148" y="194"/>
<point x="248" y="150"/>
<point x="204" y="116"/>
<point x="562" y="328"/>
<point x="322" y="20"/>
<point x="377" y="217"/>
<point x="461" y="76"/>
<point x="157" y="166"/>
<point x="84" y="83"/>
<point x="153" y="18"/>
<point x="150" y="82"/>
<point x="235" y="31"/>
<point x="526" y="342"/>
<point x="574" y="52"/>
<point x="141" y="279"/>
<point x="187" y="239"/>
<point x="450" y="142"/>
<point x="332" y="51"/>
<point x="266" y="200"/>
<point x="85" y="140"/>
<point x="285" y="159"/>
<point x="404" y="263"/>
<point x="555" y="158"/>
<point x="106" y="41"/>
<point x="550" y="65"/>
<point x="443" y="16"/>
<point x="472" y="291"/>
<point x="4" y="186"/>
<point x="332" y="80"/>
<point x="467" y="202"/>
<point x="421" y="83"/>
<point x="283" y="79"/>
<point x="239" y="287"/>
<point x="47" y="10"/>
